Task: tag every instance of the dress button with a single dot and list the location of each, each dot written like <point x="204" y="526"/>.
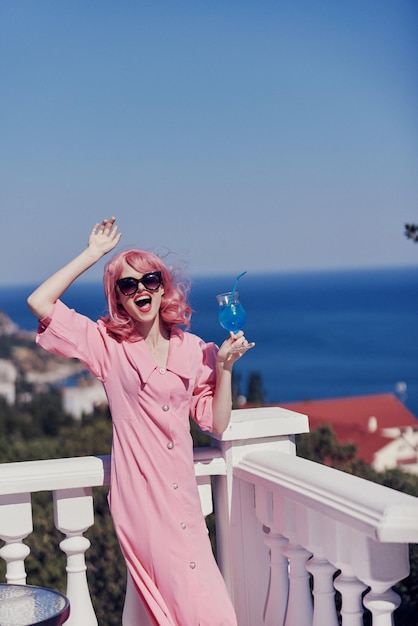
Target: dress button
<point x="170" y="445"/>
<point x="183" y="525"/>
<point x="174" y="485"/>
<point x="162" y="370"/>
<point x="192" y="565"/>
<point x="165" y="407"/>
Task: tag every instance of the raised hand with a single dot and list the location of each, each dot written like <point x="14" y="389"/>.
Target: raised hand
<point x="104" y="237"/>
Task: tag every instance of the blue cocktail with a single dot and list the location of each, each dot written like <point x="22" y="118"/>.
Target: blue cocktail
<point x="232" y="315"/>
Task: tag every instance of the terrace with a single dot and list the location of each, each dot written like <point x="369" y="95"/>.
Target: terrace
<point x="290" y="532"/>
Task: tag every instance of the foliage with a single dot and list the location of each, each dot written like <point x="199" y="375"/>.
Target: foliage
<point x="321" y="445"/>
<point x="411" y="231"/>
<point x="255" y="392"/>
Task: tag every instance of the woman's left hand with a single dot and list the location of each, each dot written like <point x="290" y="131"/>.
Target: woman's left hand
<point x="233" y="348"/>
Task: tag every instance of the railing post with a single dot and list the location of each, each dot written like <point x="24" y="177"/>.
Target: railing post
<point x="15" y="525"/>
<point x="381" y="603"/>
<point x="299" y="607"/>
<point x="278" y="587"/>
<point x="337" y="541"/>
<point x="393" y="565"/>
<point x="351" y="589"/>
<point x="73" y="513"/>
<point x="322" y="571"/>
<point x="242" y="553"/>
<point x="278" y="590"/>
<point x="323" y="591"/>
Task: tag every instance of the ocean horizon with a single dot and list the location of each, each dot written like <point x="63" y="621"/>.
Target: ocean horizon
<point x="319" y="334"/>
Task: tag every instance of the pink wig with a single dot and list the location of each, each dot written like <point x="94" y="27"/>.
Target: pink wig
<point x="174" y="311"/>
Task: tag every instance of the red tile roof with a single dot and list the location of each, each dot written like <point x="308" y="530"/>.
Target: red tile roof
<point x="351" y="420"/>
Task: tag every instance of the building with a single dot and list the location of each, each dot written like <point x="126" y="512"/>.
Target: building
<point x="383" y="430"/>
<point x="83" y="398"/>
<point x="8" y="377"/>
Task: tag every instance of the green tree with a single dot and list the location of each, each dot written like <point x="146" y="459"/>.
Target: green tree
<point x="255" y="393"/>
<point x="236" y="382"/>
<point x="322" y="446"/>
<point x="411" y="231"/>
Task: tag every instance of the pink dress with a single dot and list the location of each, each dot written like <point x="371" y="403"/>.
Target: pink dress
<point x="153" y="495"/>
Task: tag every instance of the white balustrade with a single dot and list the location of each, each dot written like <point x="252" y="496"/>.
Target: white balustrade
<point x="243" y="555"/>
<point x="286" y="527"/>
<point x="71" y="482"/>
<point x="347" y="523"/>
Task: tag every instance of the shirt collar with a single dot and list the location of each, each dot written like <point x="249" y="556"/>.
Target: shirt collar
<point x="140" y="358"/>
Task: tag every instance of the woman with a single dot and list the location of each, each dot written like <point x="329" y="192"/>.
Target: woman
<point x="155" y="376"/>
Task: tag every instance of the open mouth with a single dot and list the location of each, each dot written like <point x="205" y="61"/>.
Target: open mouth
<point x="144" y="303"/>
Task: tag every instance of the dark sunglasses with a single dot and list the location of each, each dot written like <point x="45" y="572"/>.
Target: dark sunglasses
<point x="129" y="286"/>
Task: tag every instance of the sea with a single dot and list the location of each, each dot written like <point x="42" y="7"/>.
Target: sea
<point x="318" y="334"/>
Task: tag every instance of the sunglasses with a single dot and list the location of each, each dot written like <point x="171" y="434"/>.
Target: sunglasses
<point x="129" y="286"/>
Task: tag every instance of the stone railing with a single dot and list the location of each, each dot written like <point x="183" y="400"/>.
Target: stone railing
<point x="284" y="526"/>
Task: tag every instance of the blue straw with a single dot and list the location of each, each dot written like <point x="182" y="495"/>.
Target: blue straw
<point x="236" y="282"/>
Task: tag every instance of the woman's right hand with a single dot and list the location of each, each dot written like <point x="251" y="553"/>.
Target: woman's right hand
<point x="104" y="237"/>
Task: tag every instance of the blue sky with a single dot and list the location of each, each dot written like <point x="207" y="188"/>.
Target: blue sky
<point x="259" y="135"/>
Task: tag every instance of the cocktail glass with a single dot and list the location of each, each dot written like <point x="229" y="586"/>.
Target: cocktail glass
<point x="232" y="315"/>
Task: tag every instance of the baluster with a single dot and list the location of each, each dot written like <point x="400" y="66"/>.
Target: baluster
<point x="15" y="525"/>
<point x="351" y="589"/>
<point x="299" y="608"/>
<point x="325" y="611"/>
<point x="73" y="512"/>
<point x="382" y="602"/>
<point x="380" y="566"/>
<point x="276" y="603"/>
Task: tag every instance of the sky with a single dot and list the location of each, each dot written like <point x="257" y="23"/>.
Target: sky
<point x="258" y="135"/>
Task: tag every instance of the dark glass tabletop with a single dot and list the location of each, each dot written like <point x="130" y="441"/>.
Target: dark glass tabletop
<point x="26" y="605"/>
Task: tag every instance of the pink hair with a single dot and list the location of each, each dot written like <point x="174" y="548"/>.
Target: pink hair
<point x="174" y="310"/>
